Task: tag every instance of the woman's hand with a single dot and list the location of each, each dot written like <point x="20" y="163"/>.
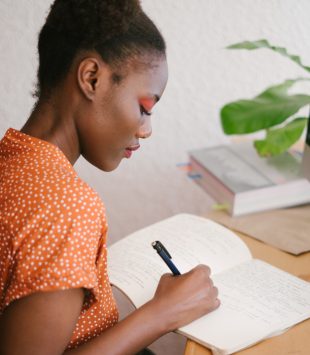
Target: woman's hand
<point x="182" y="299"/>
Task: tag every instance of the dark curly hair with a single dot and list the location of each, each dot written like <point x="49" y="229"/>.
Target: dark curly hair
<point x="117" y="29"/>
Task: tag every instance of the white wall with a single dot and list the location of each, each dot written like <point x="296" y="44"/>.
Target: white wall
<point x="203" y="77"/>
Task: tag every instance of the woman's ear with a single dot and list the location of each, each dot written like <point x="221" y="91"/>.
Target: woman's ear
<point x="92" y="74"/>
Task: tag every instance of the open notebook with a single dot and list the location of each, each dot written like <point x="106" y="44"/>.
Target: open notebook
<point x="257" y="299"/>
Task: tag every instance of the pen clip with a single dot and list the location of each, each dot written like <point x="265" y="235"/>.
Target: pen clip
<point x="158" y="246"/>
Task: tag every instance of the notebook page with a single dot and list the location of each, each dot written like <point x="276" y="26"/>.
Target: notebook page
<point x="257" y="301"/>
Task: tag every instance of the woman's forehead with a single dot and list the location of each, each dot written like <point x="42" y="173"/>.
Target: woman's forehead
<point x="153" y="76"/>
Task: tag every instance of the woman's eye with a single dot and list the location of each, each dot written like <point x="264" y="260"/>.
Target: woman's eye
<point x="144" y="111"/>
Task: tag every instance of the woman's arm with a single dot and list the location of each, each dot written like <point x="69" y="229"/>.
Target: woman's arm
<point x="43" y="323"/>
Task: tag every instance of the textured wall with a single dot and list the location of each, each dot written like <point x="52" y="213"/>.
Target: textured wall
<point x="203" y="76"/>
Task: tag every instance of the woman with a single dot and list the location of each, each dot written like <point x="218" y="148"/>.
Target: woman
<point x="102" y="67"/>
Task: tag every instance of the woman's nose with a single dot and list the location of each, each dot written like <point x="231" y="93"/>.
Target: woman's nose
<point x="145" y="130"/>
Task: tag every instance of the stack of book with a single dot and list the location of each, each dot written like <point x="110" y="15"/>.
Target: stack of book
<point x="236" y="177"/>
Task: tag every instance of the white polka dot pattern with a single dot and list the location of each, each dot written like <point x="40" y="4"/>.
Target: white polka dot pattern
<point x="52" y="232"/>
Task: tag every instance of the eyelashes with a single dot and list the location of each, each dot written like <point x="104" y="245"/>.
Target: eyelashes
<point x="144" y="111"/>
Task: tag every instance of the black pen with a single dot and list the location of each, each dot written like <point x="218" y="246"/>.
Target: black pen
<point x="164" y="254"/>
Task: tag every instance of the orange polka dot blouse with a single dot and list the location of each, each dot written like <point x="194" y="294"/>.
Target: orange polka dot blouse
<point x="52" y="232"/>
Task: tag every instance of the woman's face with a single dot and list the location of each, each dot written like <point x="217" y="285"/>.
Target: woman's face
<point x="121" y="116"/>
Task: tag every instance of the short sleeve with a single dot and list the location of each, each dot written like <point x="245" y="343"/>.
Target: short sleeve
<point x="56" y="246"/>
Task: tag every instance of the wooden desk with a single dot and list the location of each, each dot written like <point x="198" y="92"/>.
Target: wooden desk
<point x="297" y="339"/>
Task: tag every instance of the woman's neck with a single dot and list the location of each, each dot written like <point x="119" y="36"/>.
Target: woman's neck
<point x="54" y="123"/>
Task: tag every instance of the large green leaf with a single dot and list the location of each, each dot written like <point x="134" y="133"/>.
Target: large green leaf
<point x="270" y="108"/>
<point x="280" y="139"/>
<point x="263" y="43"/>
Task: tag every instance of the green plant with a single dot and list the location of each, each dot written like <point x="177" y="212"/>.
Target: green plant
<point x="272" y="110"/>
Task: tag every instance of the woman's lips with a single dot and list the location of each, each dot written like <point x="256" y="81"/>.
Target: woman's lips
<point x="129" y="150"/>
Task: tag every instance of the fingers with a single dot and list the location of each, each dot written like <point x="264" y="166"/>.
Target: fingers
<point x="214" y="296"/>
<point x="197" y="280"/>
<point x="212" y="292"/>
<point x="203" y="269"/>
<point x="202" y="274"/>
<point x="188" y="296"/>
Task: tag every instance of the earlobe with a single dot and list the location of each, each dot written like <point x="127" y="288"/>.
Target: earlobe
<point x="88" y="77"/>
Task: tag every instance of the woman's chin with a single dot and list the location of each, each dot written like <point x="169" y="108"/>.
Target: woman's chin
<point x="104" y="165"/>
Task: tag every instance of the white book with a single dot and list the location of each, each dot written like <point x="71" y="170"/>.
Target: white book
<point x="234" y="175"/>
<point x="257" y="300"/>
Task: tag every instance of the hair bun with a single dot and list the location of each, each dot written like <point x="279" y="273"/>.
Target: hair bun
<point x="86" y="19"/>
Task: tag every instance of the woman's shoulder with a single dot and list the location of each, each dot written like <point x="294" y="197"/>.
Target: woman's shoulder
<point x="30" y="186"/>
